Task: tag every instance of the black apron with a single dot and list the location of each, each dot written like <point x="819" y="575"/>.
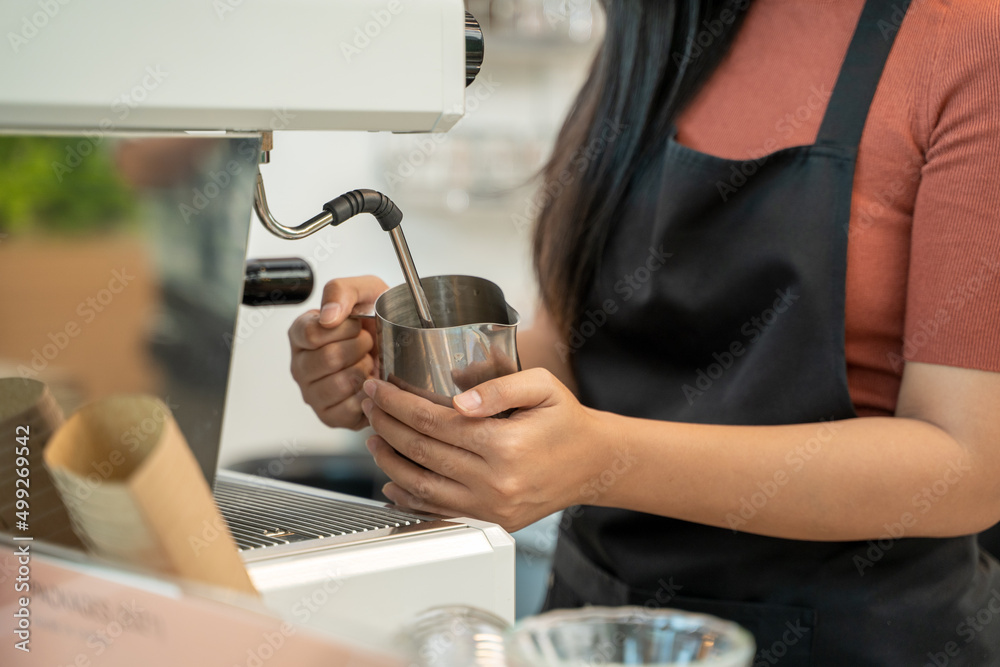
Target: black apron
<point x="720" y="299"/>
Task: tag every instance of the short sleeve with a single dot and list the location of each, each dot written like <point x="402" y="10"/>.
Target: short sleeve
<point x="953" y="293"/>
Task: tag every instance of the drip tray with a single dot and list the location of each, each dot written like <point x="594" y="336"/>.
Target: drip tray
<point x="264" y="513"/>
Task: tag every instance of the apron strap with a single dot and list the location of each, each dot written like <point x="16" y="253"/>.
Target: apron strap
<point x="862" y="69"/>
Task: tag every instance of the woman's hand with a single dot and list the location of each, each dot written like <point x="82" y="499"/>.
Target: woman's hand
<point x="515" y="471"/>
<point x="333" y="355"/>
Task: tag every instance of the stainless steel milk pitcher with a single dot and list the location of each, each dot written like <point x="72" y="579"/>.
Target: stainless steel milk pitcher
<point x="474" y="340"/>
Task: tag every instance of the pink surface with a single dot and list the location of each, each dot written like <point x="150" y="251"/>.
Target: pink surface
<point x="81" y="619"/>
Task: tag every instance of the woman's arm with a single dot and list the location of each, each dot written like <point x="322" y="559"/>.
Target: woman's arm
<point x="932" y="471"/>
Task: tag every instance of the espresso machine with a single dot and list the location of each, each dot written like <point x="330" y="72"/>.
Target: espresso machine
<point x="162" y="114"/>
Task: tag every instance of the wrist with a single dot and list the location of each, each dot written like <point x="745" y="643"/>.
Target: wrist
<point x="613" y="457"/>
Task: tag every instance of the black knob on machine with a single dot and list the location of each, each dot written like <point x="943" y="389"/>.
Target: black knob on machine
<point x="475" y="47"/>
<point x="279" y="281"/>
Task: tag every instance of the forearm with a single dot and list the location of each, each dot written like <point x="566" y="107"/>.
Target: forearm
<point x="855" y="479"/>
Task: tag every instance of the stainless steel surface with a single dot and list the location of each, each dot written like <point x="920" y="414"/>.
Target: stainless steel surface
<point x="412" y="279"/>
<point x="475" y="339"/>
<point x="263" y="513"/>
<point x="317" y="222"/>
<point x="308" y="227"/>
<point x="121" y="267"/>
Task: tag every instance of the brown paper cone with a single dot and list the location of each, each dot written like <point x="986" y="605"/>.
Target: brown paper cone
<point x="136" y="494"/>
<point x="27" y="408"/>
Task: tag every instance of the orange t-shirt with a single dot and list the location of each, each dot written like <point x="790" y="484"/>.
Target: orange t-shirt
<point x="923" y="266"/>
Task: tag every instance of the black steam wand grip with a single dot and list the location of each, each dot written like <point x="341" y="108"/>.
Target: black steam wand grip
<point x="389" y="216"/>
<point x="355" y="202"/>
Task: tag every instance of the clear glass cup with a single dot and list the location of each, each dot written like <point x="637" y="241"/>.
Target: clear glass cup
<point x="456" y="636"/>
<point x="628" y="636"/>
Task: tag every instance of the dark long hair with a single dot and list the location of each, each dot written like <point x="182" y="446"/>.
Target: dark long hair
<point x="655" y="56"/>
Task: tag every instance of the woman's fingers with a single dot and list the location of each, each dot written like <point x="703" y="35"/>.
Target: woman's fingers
<point x="343" y="295"/>
<point x="425" y="450"/>
<point x="430" y="419"/>
<point x="426" y="486"/>
<point x="400" y="496"/>
<point x="336" y="387"/>
<point x="345" y="414"/>
<point x="332" y="355"/>
<point x="308" y="366"/>
<point x="336" y="399"/>
<point x="306" y="333"/>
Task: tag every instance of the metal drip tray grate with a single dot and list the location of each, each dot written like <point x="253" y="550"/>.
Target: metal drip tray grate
<point x="263" y="515"/>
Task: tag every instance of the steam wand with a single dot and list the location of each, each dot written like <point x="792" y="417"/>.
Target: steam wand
<point x="344" y="207"/>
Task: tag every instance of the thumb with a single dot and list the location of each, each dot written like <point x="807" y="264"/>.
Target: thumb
<point x="535" y="387"/>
